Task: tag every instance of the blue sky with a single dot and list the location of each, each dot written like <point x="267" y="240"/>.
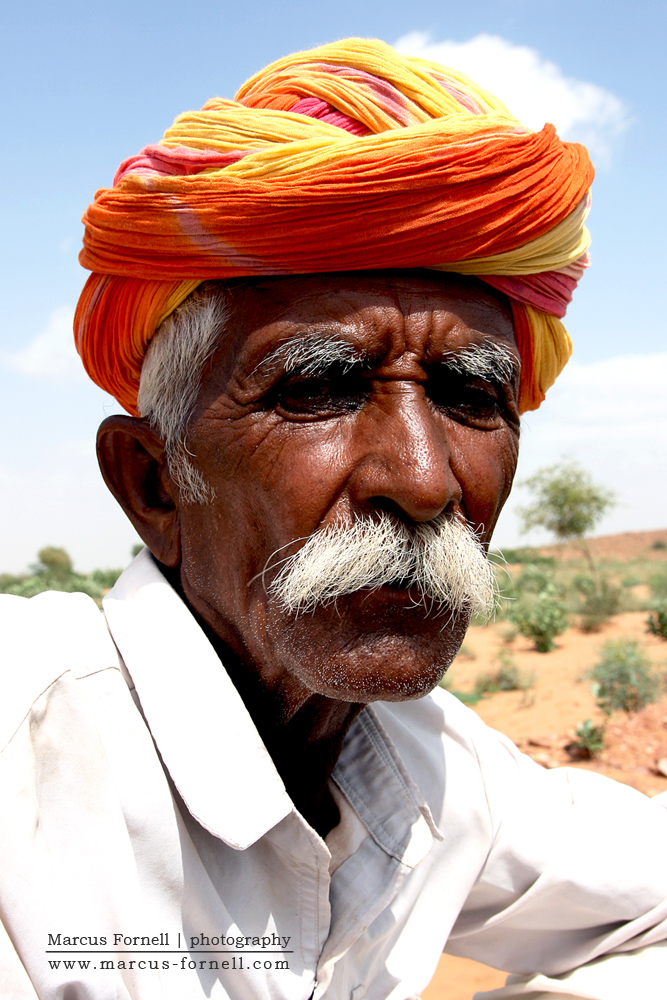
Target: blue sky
<point x="85" y="85"/>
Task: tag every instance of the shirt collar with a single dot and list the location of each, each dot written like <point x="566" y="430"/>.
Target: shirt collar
<point x="211" y="747"/>
<point x="376" y="783"/>
<point x="203" y="731"/>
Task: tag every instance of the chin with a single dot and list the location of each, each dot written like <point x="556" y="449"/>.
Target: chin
<point x="377" y="667"/>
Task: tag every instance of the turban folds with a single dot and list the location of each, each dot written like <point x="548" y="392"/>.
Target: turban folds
<point x="347" y="157"/>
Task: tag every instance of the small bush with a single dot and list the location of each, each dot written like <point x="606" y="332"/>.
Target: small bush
<point x="659" y="544"/>
<point x="506" y="677"/>
<point x="507" y="596"/>
<point x="7" y="582"/>
<point x="658" y="584"/>
<point x="656" y="623"/>
<point x="54" y="560"/>
<point x="534" y="579"/>
<point x="105" y="578"/>
<point x="623" y="679"/>
<point x="589" y="739"/>
<point x="30" y="586"/>
<point x="54" y="571"/>
<point x="599" y="605"/>
<point x="541" y="619"/>
<point x="584" y="583"/>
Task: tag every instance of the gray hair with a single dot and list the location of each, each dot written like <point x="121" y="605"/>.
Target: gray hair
<point x="171" y="379"/>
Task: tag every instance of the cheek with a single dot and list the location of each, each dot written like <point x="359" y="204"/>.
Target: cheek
<point x="484" y="462"/>
<point x="273" y="483"/>
<point x="284" y="479"/>
<point x="270" y="489"/>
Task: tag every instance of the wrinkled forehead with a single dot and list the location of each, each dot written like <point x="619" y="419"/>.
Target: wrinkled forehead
<point x="379" y="312"/>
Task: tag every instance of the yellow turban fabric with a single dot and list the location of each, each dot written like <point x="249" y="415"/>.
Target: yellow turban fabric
<point x="347" y="157"/>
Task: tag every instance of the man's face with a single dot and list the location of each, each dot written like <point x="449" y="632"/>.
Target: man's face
<point x="333" y="398"/>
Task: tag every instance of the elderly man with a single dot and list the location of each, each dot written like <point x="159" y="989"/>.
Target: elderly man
<point x="324" y="306"/>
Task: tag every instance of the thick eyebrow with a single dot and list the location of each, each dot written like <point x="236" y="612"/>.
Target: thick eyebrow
<point x="488" y="360"/>
<point x="312" y="354"/>
<point x="316" y="353"/>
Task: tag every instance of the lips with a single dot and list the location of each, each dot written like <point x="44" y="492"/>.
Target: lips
<point x="401" y="593"/>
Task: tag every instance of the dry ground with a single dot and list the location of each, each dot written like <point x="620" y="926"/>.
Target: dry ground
<point x="542" y="719"/>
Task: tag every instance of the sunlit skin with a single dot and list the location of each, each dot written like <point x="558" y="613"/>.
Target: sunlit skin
<point x="286" y="454"/>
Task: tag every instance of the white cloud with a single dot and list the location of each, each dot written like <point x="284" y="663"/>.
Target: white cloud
<point x="619" y="395"/>
<point x="50" y="355"/>
<point x="534" y="89"/>
<point x="611" y="417"/>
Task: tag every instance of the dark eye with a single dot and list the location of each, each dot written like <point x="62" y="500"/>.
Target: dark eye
<point x="319" y="396"/>
<point x="467" y="400"/>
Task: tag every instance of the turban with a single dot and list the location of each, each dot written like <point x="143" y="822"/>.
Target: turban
<point x="348" y="157"/>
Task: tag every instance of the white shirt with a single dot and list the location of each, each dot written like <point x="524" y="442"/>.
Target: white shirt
<point x="137" y="799"/>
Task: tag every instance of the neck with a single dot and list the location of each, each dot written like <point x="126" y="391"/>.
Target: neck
<point x="303" y="735"/>
<point x="302" y="731"/>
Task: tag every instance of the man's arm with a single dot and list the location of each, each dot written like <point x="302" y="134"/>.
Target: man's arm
<point x="573" y="895"/>
<point x="641" y="974"/>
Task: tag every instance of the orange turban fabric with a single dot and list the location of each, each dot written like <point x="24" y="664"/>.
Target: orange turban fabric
<point x="347" y="157"/>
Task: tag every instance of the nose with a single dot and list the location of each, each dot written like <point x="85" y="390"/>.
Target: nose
<point x="404" y="457"/>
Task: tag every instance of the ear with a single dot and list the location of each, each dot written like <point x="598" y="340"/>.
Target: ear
<point x="133" y="461"/>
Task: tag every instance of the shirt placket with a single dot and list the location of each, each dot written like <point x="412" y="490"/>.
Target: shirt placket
<point x="370" y="776"/>
<point x="308" y="857"/>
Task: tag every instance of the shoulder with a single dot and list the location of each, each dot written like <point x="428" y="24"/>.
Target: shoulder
<point x="42" y="638"/>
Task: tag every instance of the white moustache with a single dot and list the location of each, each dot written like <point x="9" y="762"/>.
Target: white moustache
<point x="442" y="560"/>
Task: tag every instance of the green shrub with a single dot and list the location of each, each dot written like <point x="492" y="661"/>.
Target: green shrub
<point x="659" y="543"/>
<point x="506" y="677"/>
<point x="54" y="561"/>
<point x="589" y="739"/>
<point x="541" y="619"/>
<point x="584" y="583"/>
<point x="658" y="584"/>
<point x="623" y="679"/>
<point x="54" y="571"/>
<point x="8" y="581"/>
<point x="507" y="596"/>
<point x="599" y="605"/>
<point x="30" y="586"/>
<point x="534" y="578"/>
<point x="656" y="623"/>
<point x="105" y="578"/>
